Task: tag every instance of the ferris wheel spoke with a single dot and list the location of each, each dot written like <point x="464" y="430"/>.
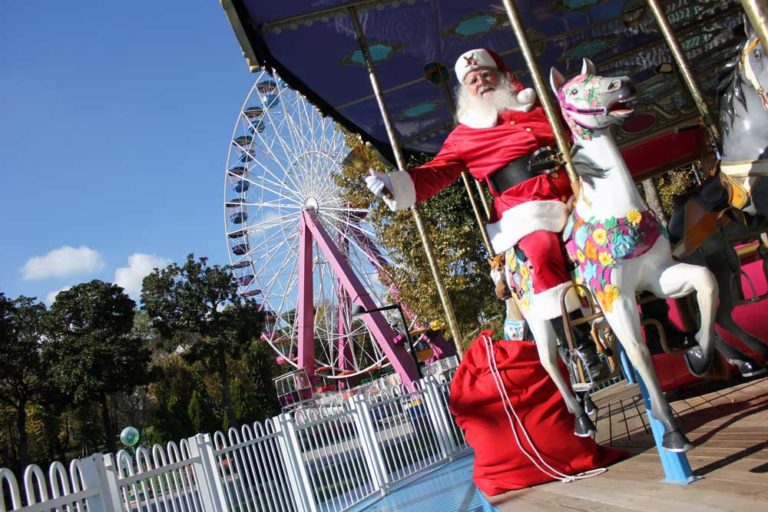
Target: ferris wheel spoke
<point x="286" y="173"/>
<point x="274" y="181"/>
<point x="268" y="223"/>
<point x="272" y="204"/>
<point x="293" y="280"/>
<point x="256" y="249"/>
<point x="268" y="289"/>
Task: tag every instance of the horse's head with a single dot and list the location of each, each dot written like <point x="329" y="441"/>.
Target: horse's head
<point x="591" y="102"/>
<point x="753" y="65"/>
<point x="497" y="276"/>
<point x="743" y="103"/>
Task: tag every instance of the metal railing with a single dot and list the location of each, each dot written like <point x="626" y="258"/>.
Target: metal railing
<point x="316" y="459"/>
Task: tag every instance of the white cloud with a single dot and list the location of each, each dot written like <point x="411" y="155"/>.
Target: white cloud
<point x="51" y="297"/>
<point x="63" y="262"/>
<point x="139" y="266"/>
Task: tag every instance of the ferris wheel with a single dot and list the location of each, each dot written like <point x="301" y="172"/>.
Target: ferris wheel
<point x="293" y="240"/>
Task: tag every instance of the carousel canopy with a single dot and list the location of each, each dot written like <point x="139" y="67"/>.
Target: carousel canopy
<point x="313" y="47"/>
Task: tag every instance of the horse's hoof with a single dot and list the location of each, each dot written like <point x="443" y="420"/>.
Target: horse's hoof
<point x="749" y="369"/>
<point x="697" y="362"/>
<point x="676" y="442"/>
<point x="589" y="406"/>
<point x="583" y="427"/>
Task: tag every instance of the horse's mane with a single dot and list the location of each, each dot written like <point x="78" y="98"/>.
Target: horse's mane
<point x="730" y="90"/>
<point x="585" y="167"/>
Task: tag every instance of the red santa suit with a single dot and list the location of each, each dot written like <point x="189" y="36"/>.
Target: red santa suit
<point x="529" y="215"/>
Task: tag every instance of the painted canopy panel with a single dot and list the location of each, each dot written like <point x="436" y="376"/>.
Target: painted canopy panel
<point x="312" y="45"/>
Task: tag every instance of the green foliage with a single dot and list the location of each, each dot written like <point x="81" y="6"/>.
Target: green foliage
<point x="259" y="371"/>
<point x="197" y="307"/>
<point x="92" y="352"/>
<point x="201" y="414"/>
<point x="456" y="240"/>
<point x="22" y="375"/>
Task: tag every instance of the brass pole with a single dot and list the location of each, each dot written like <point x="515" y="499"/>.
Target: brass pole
<point x="561" y="136"/>
<point x="442" y="292"/>
<point x="757" y="12"/>
<point x="685" y="71"/>
<point x="466" y="179"/>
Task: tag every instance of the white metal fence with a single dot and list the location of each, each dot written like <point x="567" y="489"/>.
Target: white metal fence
<point x="318" y="459"/>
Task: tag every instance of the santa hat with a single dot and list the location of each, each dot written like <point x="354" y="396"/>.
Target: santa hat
<point x="481" y="58"/>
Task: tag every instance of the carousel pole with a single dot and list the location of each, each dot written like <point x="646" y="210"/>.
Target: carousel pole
<point x="466" y="178"/>
<point x="561" y="136"/>
<point x="757" y="12"/>
<point x="442" y="292"/>
<point x="685" y="71"/>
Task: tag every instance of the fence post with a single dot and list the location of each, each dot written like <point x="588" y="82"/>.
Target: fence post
<point x="298" y="477"/>
<point x="99" y="473"/>
<point x="371" y="449"/>
<point x="438" y="413"/>
<point x="209" y="483"/>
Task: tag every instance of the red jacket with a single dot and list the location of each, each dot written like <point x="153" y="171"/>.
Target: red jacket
<point x="481" y="151"/>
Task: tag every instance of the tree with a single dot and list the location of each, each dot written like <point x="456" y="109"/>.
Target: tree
<point x="197" y="307"/>
<point x="455" y="236"/>
<point x="93" y="352"/>
<point x="200" y="413"/>
<point x="21" y="370"/>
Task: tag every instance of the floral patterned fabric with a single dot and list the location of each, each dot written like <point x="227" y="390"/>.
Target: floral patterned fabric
<point x="595" y="246"/>
<point x="520" y="277"/>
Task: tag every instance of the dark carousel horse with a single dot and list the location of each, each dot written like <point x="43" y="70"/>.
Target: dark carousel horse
<point x="738" y="196"/>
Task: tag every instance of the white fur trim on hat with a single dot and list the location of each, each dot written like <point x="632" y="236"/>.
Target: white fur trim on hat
<point x="524" y="219"/>
<point x="471" y="60"/>
<point x="403" y="191"/>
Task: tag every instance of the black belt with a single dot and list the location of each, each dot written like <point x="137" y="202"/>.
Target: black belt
<point x="543" y="160"/>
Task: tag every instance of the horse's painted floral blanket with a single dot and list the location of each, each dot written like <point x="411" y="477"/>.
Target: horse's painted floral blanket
<point x="595" y="246"/>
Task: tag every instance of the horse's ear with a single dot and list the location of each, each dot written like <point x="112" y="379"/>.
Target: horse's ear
<point x="748" y="30"/>
<point x="556" y="79"/>
<point x="587" y="67"/>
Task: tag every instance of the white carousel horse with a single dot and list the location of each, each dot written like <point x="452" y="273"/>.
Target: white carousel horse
<point x="619" y="246"/>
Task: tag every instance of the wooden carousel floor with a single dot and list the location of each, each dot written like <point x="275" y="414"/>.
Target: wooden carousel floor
<point x="729" y="428"/>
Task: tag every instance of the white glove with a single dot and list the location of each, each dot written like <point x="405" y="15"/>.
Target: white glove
<point x="379" y="184"/>
<point x="527" y="99"/>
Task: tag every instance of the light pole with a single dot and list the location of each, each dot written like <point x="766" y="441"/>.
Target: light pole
<point x="357" y="309"/>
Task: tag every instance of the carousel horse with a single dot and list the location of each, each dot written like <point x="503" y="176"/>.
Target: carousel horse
<point x="744" y="164"/>
<point x="618" y="246"/>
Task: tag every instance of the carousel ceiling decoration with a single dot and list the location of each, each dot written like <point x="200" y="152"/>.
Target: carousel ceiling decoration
<point x="312" y="45"/>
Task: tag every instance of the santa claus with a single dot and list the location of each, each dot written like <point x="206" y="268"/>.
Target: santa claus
<point x="500" y="138"/>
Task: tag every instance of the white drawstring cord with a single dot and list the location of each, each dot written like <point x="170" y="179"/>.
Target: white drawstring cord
<point x="508" y="407"/>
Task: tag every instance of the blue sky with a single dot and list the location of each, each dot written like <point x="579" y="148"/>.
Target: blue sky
<point x="115" y="120"/>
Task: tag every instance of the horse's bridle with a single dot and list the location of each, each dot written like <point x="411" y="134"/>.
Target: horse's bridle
<point x="749" y="73"/>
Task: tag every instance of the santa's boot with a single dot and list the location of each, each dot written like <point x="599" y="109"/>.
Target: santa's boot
<point x="583" y="346"/>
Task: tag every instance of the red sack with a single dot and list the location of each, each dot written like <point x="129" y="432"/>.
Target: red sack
<point x="475" y="402"/>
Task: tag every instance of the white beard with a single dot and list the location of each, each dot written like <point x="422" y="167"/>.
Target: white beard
<point x="482" y="112"/>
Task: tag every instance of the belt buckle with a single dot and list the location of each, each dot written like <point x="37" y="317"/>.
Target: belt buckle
<point x="552" y="160"/>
